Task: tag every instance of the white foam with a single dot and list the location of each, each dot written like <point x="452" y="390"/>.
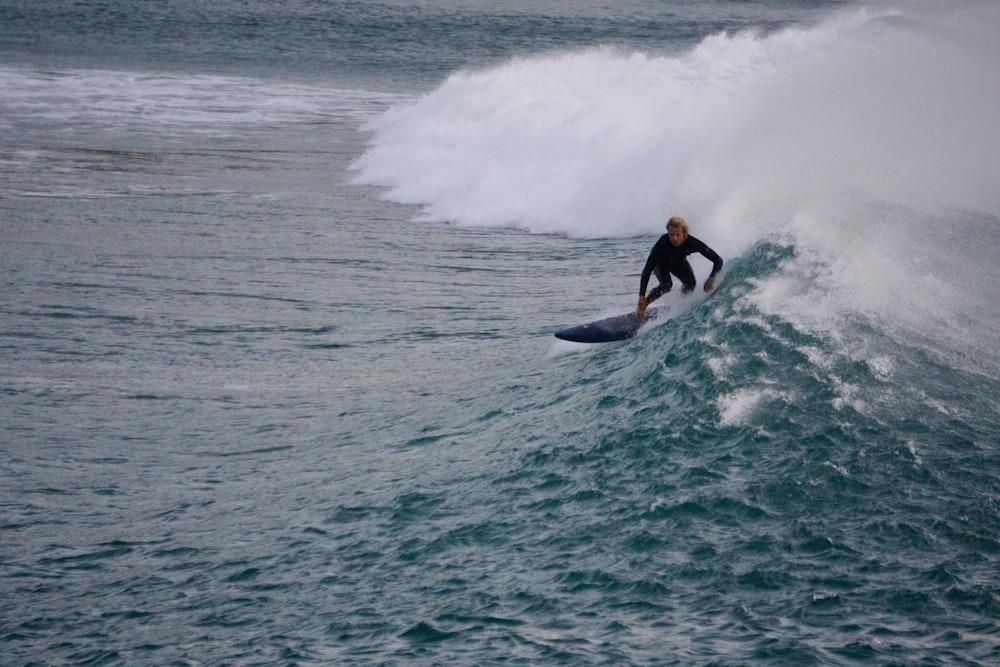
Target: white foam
<point x="735" y="134"/>
<point x="737" y="408"/>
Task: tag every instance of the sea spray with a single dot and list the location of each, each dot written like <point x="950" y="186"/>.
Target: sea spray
<point x="738" y="134"/>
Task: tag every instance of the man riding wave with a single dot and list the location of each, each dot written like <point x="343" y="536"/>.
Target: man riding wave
<point x="669" y="256"/>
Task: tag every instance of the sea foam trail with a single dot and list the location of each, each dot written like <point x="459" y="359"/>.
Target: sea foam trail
<point x="892" y="104"/>
<point x="175" y="104"/>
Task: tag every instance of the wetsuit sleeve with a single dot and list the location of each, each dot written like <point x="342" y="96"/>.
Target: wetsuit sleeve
<point x="647" y="270"/>
<point x="710" y="255"/>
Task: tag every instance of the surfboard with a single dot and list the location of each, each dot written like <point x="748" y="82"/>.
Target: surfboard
<point x="618" y="327"/>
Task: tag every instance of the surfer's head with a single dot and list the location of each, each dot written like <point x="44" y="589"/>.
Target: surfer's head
<point x="677" y="230"/>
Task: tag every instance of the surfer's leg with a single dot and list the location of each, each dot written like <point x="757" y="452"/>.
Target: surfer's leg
<point x="685" y="274"/>
<point x="666" y="284"/>
<point x="656" y="293"/>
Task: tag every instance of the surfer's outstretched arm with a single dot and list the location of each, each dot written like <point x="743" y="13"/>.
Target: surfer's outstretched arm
<point x="640" y="309"/>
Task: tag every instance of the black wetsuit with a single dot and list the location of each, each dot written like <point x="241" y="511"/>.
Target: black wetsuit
<point x="665" y="259"/>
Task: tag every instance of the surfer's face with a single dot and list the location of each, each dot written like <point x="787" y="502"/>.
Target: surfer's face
<point x="676" y="236"/>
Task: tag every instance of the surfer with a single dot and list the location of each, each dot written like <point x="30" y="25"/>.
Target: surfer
<point x="669" y="255"/>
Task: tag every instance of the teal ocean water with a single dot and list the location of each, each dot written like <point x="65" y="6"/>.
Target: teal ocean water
<point x="278" y="379"/>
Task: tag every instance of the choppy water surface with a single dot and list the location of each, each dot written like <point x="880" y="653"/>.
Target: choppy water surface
<point x="278" y="377"/>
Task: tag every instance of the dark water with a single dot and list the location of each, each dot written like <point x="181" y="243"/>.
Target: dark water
<point x="279" y="282"/>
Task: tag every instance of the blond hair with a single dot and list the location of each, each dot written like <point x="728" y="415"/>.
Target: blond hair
<point x="677" y="222"/>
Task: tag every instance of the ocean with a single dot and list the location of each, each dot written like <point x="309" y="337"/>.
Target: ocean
<point x="279" y="284"/>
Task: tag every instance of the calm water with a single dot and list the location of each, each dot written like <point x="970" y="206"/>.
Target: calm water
<point x="279" y="282"/>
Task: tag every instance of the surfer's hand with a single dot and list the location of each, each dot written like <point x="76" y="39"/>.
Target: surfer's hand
<point x="640" y="310"/>
<point x="710" y="283"/>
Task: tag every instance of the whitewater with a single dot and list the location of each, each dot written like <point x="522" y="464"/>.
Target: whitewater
<point x="868" y="143"/>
